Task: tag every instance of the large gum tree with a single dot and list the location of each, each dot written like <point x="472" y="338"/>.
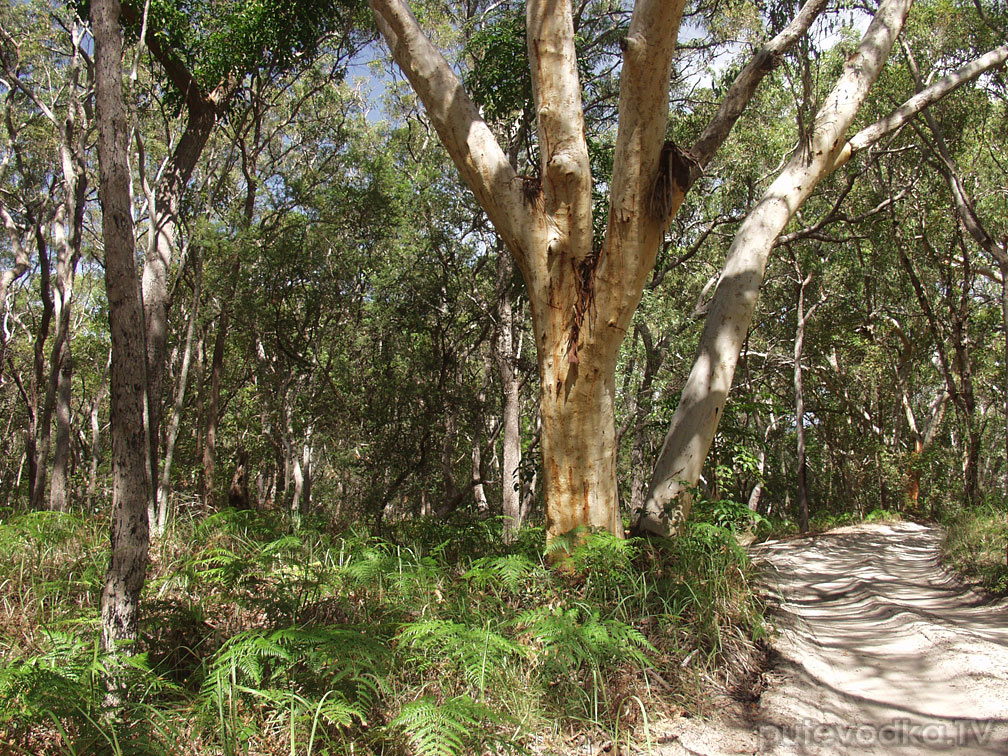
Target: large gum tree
<point x="583" y="291"/>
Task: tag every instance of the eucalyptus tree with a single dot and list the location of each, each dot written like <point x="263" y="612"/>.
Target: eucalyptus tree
<point x="583" y="288"/>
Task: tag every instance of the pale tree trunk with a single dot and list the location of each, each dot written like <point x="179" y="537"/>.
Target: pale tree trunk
<point x="703" y="397"/>
<point x="307" y="468"/>
<point x="58" y="486"/>
<point x="164" y="489"/>
<point x="757" y="492"/>
<point x="18" y="269"/>
<point x="579" y="299"/>
<point x="120" y="600"/>
<point x="506" y="357"/>
<point x="478" y="475"/>
<point x="96" y="403"/>
<point x="799" y="348"/>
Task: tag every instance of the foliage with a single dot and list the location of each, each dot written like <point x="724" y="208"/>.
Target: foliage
<point x="257" y="639"/>
<point x="976" y="545"/>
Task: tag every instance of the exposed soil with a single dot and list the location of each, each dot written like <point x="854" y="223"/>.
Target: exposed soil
<point x="879" y="650"/>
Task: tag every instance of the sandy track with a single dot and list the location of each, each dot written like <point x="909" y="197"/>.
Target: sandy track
<point x="879" y="651"/>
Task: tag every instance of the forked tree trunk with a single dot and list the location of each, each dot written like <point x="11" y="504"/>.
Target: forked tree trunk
<point x="120" y="600"/>
<point x="582" y="293"/>
<point x="582" y="296"/>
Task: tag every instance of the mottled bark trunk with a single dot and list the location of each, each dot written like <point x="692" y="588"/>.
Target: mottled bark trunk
<point x="120" y="599"/>
<point x="578" y="428"/>
<point x="640" y="410"/>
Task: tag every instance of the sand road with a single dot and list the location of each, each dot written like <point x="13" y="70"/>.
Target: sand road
<point x="878" y="651"/>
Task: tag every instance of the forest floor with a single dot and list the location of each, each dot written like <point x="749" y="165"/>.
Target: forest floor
<point x="878" y="650"/>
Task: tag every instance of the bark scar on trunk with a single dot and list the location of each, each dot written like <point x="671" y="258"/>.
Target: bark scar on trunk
<point x="531" y="190"/>
<point x="584" y="304"/>
<point x="677" y="169"/>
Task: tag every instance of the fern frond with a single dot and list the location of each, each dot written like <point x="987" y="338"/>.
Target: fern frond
<point x="477" y="653"/>
<point x="447" y="729"/>
<point x="509" y="571"/>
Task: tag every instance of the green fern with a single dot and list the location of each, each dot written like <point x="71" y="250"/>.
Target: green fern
<point x="321" y="658"/>
<point x="569" y="639"/>
<point x="509" y="571"/>
<point x="476" y="653"/>
<point x="459" y="725"/>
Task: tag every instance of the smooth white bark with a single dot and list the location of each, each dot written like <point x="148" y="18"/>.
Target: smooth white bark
<point x="703" y="398"/>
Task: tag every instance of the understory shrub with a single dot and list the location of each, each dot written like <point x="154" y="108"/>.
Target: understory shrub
<point x="261" y="639"/>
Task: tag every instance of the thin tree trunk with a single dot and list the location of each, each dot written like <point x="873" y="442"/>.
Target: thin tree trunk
<point x="213" y="412"/>
<point x="96" y="403"/>
<point x="120" y="600"/>
<point x="307" y="468"/>
<point x="39" y="383"/>
<point x="58" y="493"/>
<point x="164" y="490"/>
<point x="1003" y="267"/>
<point x="654" y="358"/>
<point x="799" y="347"/>
<point x="506" y="358"/>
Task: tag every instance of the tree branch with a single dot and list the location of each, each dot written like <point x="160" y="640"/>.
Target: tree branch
<point x="469" y="141"/>
<point x="556" y="89"/>
<point x="885" y="126"/>
<point x="744" y="87"/>
<point x="640" y="145"/>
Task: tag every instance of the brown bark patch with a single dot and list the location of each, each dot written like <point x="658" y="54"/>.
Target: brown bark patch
<point x="584" y="302"/>
<point x="676" y="171"/>
<point x="531" y="189"/>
